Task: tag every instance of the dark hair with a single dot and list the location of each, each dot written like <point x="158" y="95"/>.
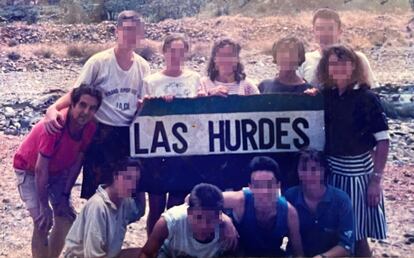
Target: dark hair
<point x="290" y="41"/>
<point x="173" y="37"/>
<point x="327" y="13"/>
<point x="212" y="71"/>
<point x="343" y="53"/>
<point x="263" y="163"/>
<point x="308" y="154"/>
<point x="206" y="196"/>
<point x="85" y="89"/>
<point x="128" y="15"/>
<point x="115" y="168"/>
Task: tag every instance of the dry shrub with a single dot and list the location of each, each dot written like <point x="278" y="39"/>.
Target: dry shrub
<point x="44" y="51"/>
<point x="83" y="51"/>
<point x="148" y="50"/>
<point x="201" y="49"/>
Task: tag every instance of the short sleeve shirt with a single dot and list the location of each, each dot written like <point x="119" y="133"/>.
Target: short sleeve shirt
<point x="332" y="224"/>
<point x="120" y="89"/>
<point x="60" y="148"/>
<point x="180" y="241"/>
<point x="351" y="121"/>
<point x="274" y="86"/>
<point x="244" y="87"/>
<point x="184" y="86"/>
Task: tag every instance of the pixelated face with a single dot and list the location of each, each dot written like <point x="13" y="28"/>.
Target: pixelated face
<point x="203" y="221"/>
<point x="326" y="31"/>
<point x="226" y="59"/>
<point x="311" y="173"/>
<point x="129" y="34"/>
<point x="174" y="54"/>
<point x="287" y="57"/>
<point x="340" y="70"/>
<point x="264" y="187"/>
<point x="84" y="110"/>
<point x="126" y="181"/>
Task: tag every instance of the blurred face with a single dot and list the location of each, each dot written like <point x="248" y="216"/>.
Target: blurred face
<point x="174" y="54"/>
<point x="129" y="34"/>
<point x="311" y="174"/>
<point x="340" y="70"/>
<point x="126" y="182"/>
<point x="84" y="110"/>
<point x="203" y="221"/>
<point x="226" y="60"/>
<point x="326" y="32"/>
<point x="287" y="57"/>
<point x="264" y="187"/>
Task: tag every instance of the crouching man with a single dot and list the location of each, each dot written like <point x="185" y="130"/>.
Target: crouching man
<point x="194" y="229"/>
<point x="100" y="228"/>
<point x="47" y="166"/>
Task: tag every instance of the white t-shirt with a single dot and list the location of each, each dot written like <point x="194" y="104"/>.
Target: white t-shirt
<point x="184" y="86"/>
<point x="308" y="69"/>
<point x="180" y="241"/>
<point x="120" y="89"/>
<point x="245" y="87"/>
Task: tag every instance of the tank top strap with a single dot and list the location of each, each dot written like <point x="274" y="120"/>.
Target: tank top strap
<point x="249" y="213"/>
<point x="282" y="216"/>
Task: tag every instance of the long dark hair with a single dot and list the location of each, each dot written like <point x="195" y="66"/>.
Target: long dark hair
<point x="212" y="71"/>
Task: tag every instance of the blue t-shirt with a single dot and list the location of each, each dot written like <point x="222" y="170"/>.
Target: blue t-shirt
<point x="257" y="241"/>
<point x="331" y="225"/>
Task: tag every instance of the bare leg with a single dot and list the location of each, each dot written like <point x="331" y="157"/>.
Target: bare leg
<point x="58" y="234"/>
<point x="129" y="252"/>
<point x="156" y="208"/>
<point x="362" y="248"/>
<point x="39" y="238"/>
<point x="175" y="199"/>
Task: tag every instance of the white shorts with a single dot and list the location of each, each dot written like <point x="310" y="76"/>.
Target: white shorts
<point x="27" y="188"/>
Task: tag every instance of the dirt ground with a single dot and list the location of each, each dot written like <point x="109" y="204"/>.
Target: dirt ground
<point x="16" y="225"/>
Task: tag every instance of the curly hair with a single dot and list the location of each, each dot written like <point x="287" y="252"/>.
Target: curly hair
<point x="343" y="53"/>
<point x="212" y="71"/>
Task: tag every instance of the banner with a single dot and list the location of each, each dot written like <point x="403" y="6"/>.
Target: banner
<point x="276" y="123"/>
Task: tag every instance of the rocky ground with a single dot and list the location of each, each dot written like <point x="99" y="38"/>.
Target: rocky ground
<point x="35" y="69"/>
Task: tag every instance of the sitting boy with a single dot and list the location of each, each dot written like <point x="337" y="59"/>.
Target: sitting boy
<point x="325" y="212"/>
<point x="100" y="228"/>
<point x="262" y="217"/>
<point x="193" y="229"/>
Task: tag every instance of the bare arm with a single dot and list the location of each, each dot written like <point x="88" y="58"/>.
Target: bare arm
<point x="234" y="200"/>
<point x="54" y="119"/>
<point x="381" y="155"/>
<point x="294" y="233"/>
<point x="156" y="239"/>
<point x="44" y="221"/>
<point x="380" y="159"/>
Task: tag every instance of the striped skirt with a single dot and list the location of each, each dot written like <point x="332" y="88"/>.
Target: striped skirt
<point x="351" y="174"/>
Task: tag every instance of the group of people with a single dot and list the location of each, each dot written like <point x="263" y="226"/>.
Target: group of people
<point x="326" y="204"/>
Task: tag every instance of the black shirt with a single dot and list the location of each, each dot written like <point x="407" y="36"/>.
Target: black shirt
<point x="274" y="86"/>
<point x="351" y="120"/>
